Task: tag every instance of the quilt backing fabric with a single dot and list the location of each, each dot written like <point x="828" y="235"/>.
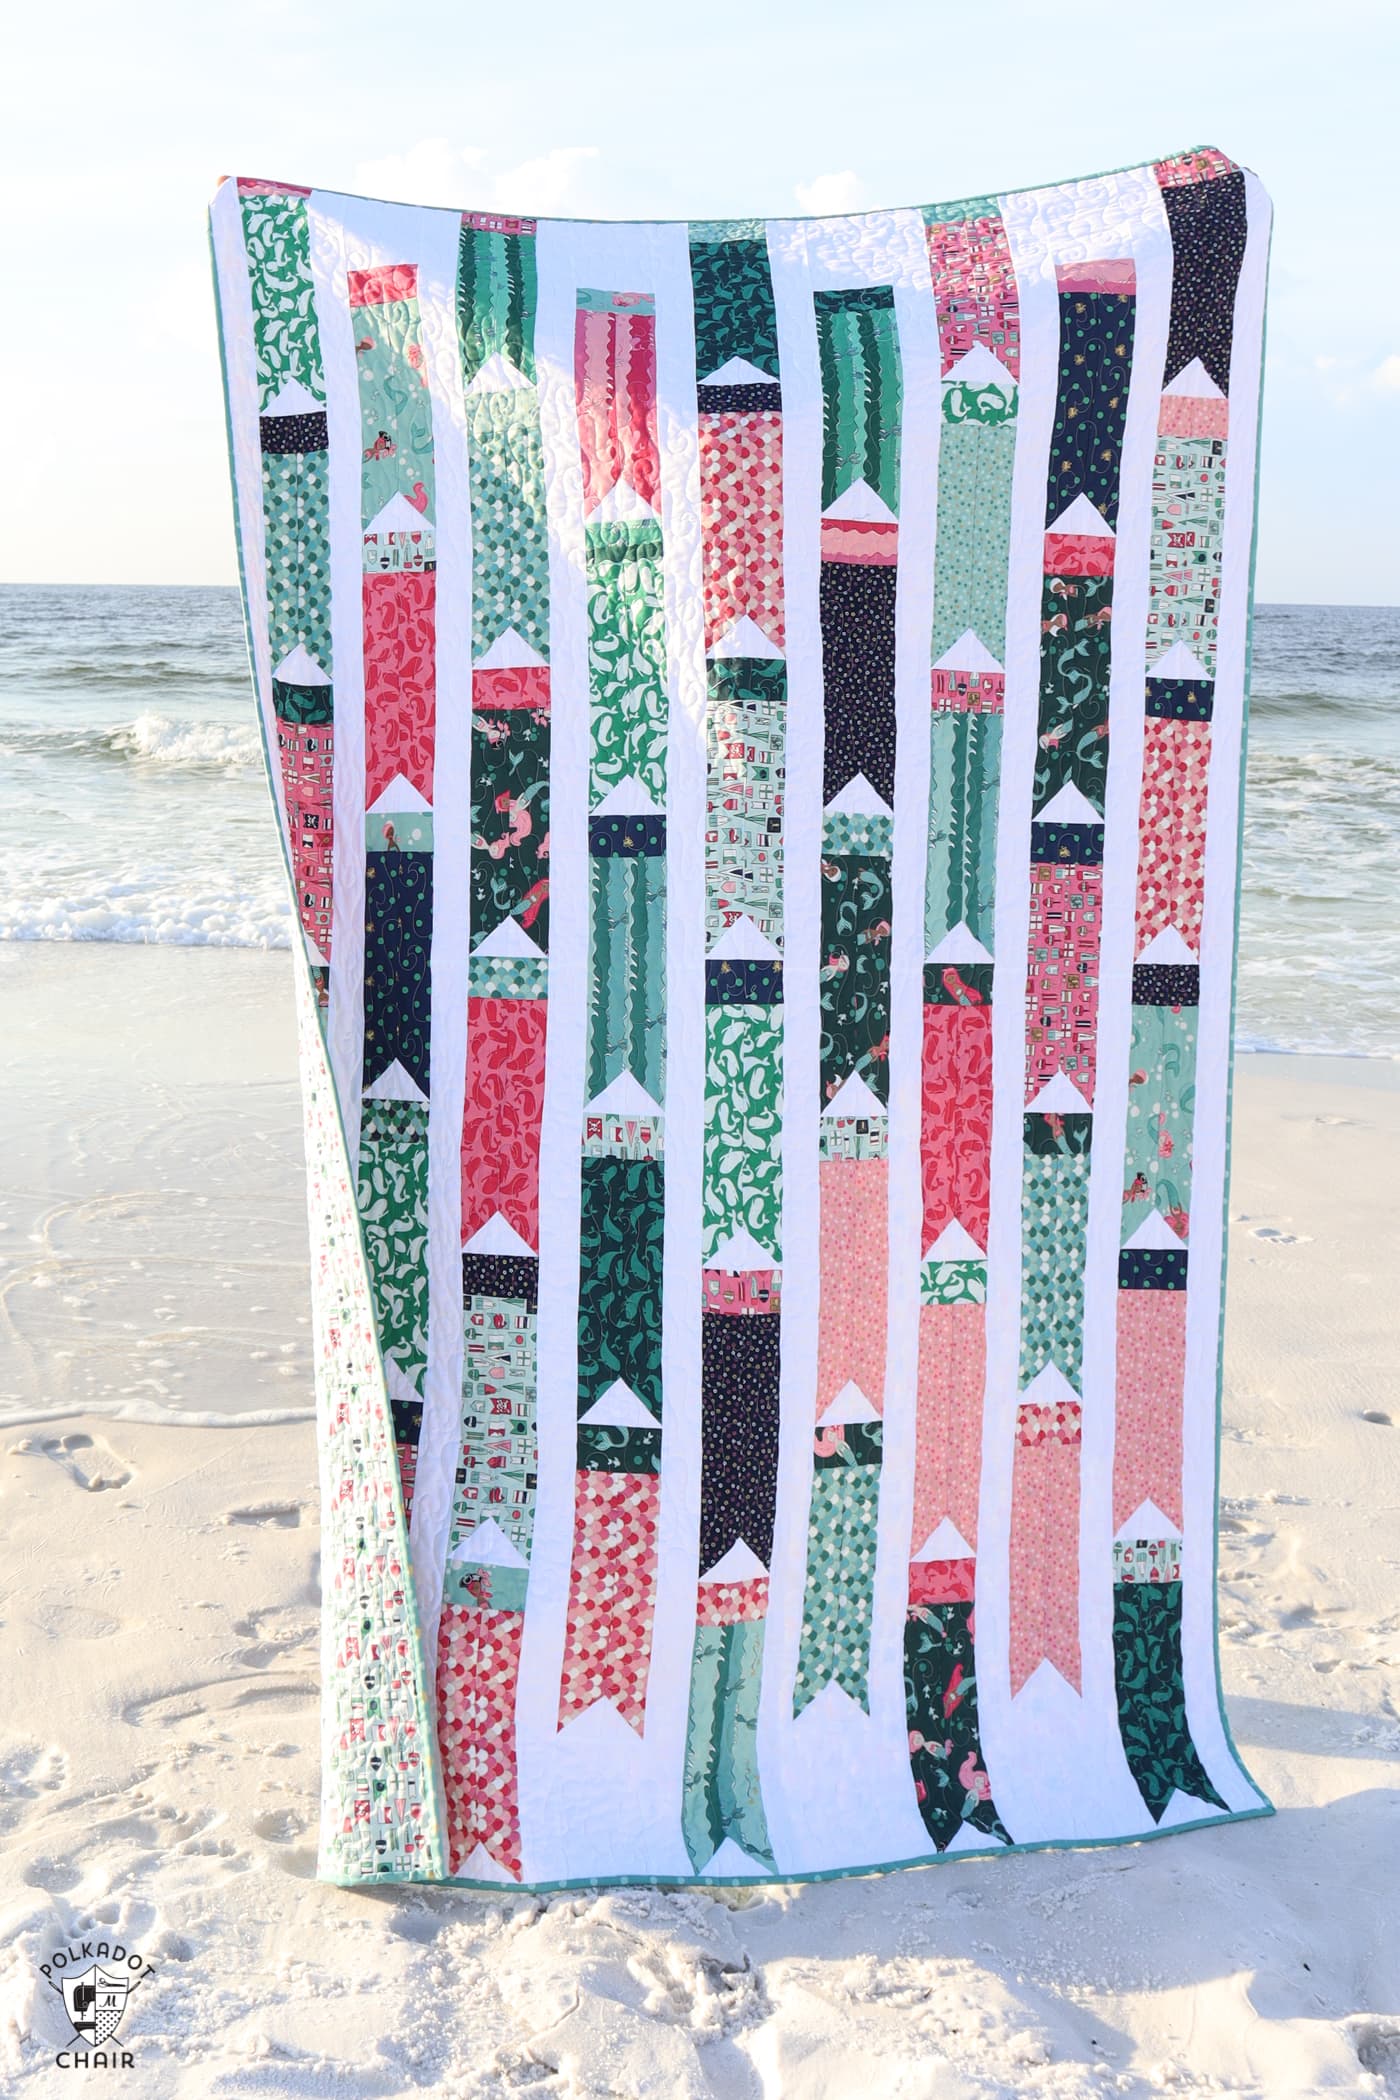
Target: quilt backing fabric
<point x="755" y="713"/>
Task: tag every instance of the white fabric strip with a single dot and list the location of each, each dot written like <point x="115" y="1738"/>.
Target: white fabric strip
<point x="436" y="236"/>
<point x="236" y="326"/>
<point x="354" y="233"/>
<point x="598" y="1756"/>
<point x="345" y="1020"/>
<point x="838" y="1779"/>
<point x="678" y="1544"/>
<point x="782" y="1755"/>
<point x="240" y="363"/>
<point x="1010" y="1759"/>
<point x="901" y="1834"/>
<point x="1133" y="222"/>
<point x="1206" y="1279"/>
<point x="550" y="1801"/>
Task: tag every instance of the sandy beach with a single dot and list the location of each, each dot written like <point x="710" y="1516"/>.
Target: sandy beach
<point x="158" y="1656"/>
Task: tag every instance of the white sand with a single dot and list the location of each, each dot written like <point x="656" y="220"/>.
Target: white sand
<point x="158" y="1621"/>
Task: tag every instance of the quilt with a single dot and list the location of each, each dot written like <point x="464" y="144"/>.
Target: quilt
<point x="755" y="715"/>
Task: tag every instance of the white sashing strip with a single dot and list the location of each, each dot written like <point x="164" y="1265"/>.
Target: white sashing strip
<point x="240" y="363"/>
<point x="1210" y="1146"/>
<point x="1117" y="1805"/>
<point x="790" y="1786"/>
<point x="330" y="261"/>
<point x="436" y="237"/>
<point x="562" y="1777"/>
<point x="839" y="1782"/>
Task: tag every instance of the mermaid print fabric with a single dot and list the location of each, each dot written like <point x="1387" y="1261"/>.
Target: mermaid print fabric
<point x="755" y="712"/>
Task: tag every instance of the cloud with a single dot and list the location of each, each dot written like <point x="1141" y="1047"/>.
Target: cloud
<point x="436" y="172"/>
<point x="540" y="186"/>
<point x="432" y="172"/>
<point x="825" y="195"/>
<point x="1349" y="380"/>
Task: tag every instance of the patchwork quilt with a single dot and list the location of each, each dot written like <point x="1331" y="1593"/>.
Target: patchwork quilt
<point x="755" y="714"/>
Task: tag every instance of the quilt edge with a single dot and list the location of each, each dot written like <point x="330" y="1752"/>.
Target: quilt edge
<point x="434" y="1871"/>
<point x="1131" y="167"/>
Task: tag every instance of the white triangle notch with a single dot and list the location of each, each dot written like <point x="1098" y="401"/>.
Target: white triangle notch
<point x="397" y="1385"/>
<point x="621" y="506"/>
<point x="498" y="376"/>
<point x="835" y="1706"/>
<point x="398" y="515"/>
<point x="745" y="638"/>
<point x="1167" y="947"/>
<point x="293" y="399"/>
<point x="619" y="1408"/>
<point x="955" y="1243"/>
<point x="854" y="1098"/>
<point x="489" y="1546"/>
<point x="980" y="367"/>
<point x="738" y="372"/>
<point x="400" y="799"/>
<point x="300" y="669"/>
<point x="740" y="1254"/>
<point x="628" y="798"/>
<point x="624" y="1096"/>
<point x="850" y="1405"/>
<point x="1180" y="663"/>
<point x="1058" y="1097"/>
<point x="968" y="1838"/>
<point x="1069" y="806"/>
<point x="959" y="946"/>
<point x="509" y="652"/>
<point x="739" y="1564"/>
<point x="1195" y="383"/>
<point x="945" y="1542"/>
<point x="1182" y="1808"/>
<point x="1049" y="1388"/>
<point x="1045" y="1681"/>
<point x="1154" y="1236"/>
<point x="860" y="505"/>
<point x="479" y="1866"/>
<point x="496" y="1236"/>
<point x="1147" y="1522"/>
<point x="509" y="939"/>
<point x="743" y="941"/>
<point x="858" y="799"/>
<point x="729" y="1862"/>
<point x="1081" y="521"/>
<point x="394" y="1084"/>
<point x="967" y="653"/>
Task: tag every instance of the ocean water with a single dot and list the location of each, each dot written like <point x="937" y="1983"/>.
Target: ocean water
<point x="129" y="747"/>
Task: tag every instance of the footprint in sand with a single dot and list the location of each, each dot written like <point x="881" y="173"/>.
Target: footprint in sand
<point x="1379" y="1416"/>
<point x="285" y="1515"/>
<point x="274" y="1635"/>
<point x="55" y="1876"/>
<point x="89" y="1463"/>
<point x="278" y="1826"/>
<point x="1278" y="1237"/>
<point x="1377" y="2045"/>
<point x="221" y="1698"/>
<point x="29" y="1770"/>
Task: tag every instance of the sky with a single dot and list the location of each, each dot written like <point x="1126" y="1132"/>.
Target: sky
<point x="120" y="121"/>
